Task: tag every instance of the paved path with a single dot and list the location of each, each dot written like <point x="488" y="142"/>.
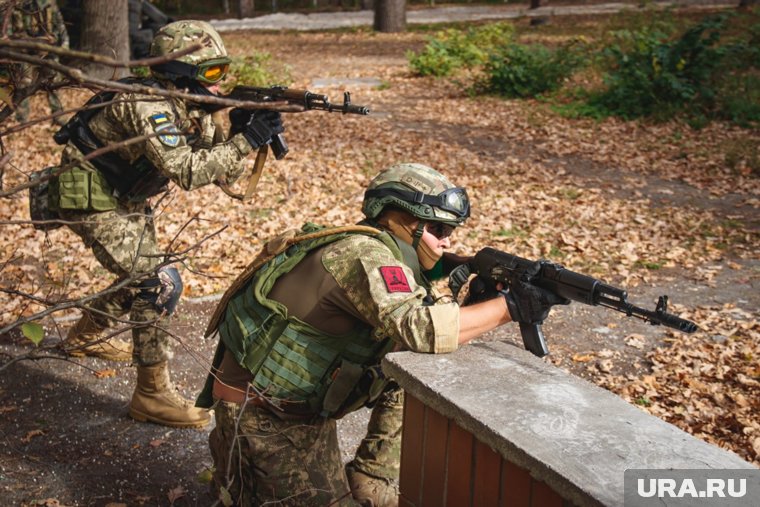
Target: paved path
<point x="332" y="20"/>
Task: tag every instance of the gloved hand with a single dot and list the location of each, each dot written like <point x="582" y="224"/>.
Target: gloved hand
<point x="528" y="303"/>
<point x="480" y="290"/>
<point x="458" y="277"/>
<point x="238" y="119"/>
<point x="262" y="126"/>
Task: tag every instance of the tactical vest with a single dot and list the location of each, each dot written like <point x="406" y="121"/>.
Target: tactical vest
<point x="293" y="363"/>
<point x="115" y="178"/>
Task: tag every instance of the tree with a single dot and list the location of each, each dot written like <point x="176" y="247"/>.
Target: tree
<point x="105" y="31"/>
<point x="245" y="8"/>
<point x="390" y="16"/>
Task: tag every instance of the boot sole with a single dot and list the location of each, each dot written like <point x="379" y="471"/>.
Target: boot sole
<point x="140" y="417"/>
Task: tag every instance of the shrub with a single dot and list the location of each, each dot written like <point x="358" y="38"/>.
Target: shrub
<point x="454" y="49"/>
<point x="520" y="71"/>
<point x="647" y="75"/>
<point x="256" y="69"/>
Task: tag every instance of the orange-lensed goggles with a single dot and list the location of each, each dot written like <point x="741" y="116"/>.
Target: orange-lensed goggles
<point x="212" y="71"/>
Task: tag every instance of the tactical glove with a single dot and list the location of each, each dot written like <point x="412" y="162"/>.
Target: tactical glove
<point x="238" y="119"/>
<point x="528" y="303"/>
<point x="262" y="126"/>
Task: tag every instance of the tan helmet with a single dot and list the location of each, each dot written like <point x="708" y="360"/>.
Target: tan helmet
<point x="209" y="64"/>
<point x="419" y="190"/>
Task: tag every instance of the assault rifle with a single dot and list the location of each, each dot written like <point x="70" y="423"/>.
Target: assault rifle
<point x="495" y="266"/>
<point x="302" y="98"/>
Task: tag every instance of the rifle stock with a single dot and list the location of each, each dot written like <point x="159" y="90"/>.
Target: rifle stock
<point x="501" y="267"/>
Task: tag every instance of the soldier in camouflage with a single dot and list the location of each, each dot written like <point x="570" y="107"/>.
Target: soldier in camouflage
<point x="40" y="21"/>
<point x="302" y="332"/>
<point x="106" y="201"/>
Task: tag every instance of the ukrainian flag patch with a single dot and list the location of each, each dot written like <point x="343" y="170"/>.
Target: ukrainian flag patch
<point x="166" y="130"/>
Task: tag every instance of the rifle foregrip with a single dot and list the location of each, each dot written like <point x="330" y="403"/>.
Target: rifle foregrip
<point x="533" y="339"/>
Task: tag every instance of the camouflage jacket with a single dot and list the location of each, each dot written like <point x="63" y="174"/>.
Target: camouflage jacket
<point x="183" y="143"/>
<point x="39" y="19"/>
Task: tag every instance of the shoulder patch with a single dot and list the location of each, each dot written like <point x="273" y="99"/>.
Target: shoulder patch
<point x="166" y="130"/>
<point x="395" y="279"/>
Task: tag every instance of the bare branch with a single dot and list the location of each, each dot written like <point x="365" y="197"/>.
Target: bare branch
<point x="80" y="77"/>
<point x="90" y="57"/>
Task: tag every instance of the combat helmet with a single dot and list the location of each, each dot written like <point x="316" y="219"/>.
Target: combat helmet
<point x="207" y="65"/>
<point x="419" y="190"/>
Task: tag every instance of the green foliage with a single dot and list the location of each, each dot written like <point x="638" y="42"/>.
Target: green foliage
<point x="256" y="69"/>
<point x="648" y="74"/>
<point x="453" y="49"/>
<point x="140" y="71"/>
<point x="521" y="71"/>
<point x="35" y="332"/>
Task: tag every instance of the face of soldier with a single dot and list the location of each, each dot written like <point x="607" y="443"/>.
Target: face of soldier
<point x="212" y="88"/>
<point x="435" y="239"/>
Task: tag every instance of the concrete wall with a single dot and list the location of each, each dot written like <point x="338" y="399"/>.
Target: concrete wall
<point x="493" y="425"/>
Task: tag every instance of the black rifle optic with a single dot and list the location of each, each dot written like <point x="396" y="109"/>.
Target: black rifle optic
<point x="495" y="266"/>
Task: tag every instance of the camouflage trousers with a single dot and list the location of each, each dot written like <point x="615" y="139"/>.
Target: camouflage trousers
<point x="260" y="458"/>
<point x="124" y="242"/>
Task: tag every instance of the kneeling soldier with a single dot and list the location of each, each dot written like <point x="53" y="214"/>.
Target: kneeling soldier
<point x="302" y="332"/>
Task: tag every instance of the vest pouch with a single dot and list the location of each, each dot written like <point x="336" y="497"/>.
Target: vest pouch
<point x="83" y="190"/>
<point x="101" y="193"/>
<point x="343" y="383"/>
<point x="74" y="189"/>
<point x="40" y="200"/>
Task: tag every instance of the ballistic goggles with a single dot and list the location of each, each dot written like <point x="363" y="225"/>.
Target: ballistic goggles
<point x="209" y="72"/>
<point x="453" y="200"/>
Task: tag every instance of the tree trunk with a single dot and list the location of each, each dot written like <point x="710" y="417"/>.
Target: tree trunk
<point x="245" y="8"/>
<point x="390" y="16"/>
<point x="105" y="31"/>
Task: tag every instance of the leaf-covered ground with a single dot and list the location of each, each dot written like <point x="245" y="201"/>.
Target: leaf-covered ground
<point x="636" y="204"/>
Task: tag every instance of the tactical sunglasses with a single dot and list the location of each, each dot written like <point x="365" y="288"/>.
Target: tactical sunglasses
<point x="453" y="200"/>
<point x="439" y="229"/>
<point x="209" y="72"/>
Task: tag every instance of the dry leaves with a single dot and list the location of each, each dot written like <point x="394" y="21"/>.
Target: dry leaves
<point x="579" y="192"/>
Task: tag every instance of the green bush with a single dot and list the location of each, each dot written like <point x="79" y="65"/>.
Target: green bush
<point x="256" y="69"/>
<point x="454" y="49"/>
<point x="520" y="71"/>
<point x="648" y="75"/>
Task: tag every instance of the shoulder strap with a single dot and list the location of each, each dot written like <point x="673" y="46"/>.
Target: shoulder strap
<point x="271" y="249"/>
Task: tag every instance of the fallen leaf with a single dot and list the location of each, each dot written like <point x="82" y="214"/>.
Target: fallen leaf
<point x="175" y="494"/>
<point x="8" y="408"/>
<point x="31" y="434"/>
<point x="155" y="443"/>
<point x="582" y="358"/>
<point x="105" y="373"/>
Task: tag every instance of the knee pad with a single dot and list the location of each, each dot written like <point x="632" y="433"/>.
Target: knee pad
<point x="163" y="290"/>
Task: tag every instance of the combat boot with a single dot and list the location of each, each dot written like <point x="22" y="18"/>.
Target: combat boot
<point x="84" y="340"/>
<point x="371" y="491"/>
<point x="156" y="400"/>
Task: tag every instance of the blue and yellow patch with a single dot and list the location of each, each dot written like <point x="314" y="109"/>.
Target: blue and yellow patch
<point x="166" y="130"/>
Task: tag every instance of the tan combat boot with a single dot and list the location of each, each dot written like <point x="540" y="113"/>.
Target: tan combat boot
<point x="84" y="340"/>
<point x="156" y="400"/>
<point x="370" y="491"/>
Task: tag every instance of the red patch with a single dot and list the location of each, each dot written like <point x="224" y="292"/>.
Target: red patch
<point x="395" y="279"/>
